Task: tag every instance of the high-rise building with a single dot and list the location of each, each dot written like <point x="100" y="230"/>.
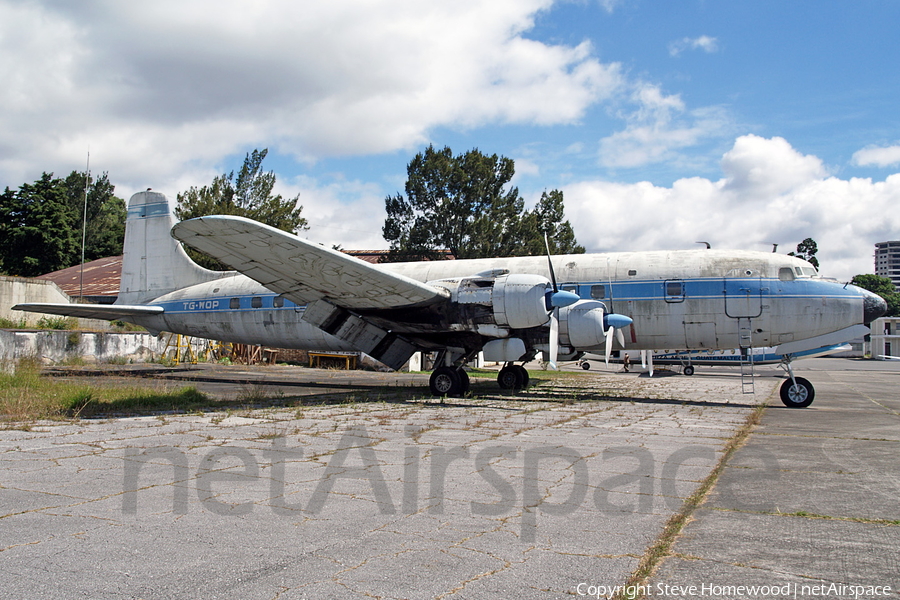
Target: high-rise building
<point x="887" y="261"/>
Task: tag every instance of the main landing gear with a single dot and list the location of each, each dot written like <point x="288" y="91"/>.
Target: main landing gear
<point x="796" y="392"/>
<point x="454" y="381"/>
<point x="449" y="381"/>
<point x="512" y="377"/>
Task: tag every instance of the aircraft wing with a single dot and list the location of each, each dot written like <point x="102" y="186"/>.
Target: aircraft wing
<point x="838" y="337"/>
<point x="109" y="312"/>
<point x="299" y="269"/>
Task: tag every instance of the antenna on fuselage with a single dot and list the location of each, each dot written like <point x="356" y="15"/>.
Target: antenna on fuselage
<point x="707" y="244"/>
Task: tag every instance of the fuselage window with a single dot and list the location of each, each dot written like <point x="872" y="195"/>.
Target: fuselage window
<point x="598" y="292"/>
<point x="674" y="288"/>
<point x="785" y="274"/>
<point x="632" y="272"/>
<point x="569" y="288"/>
<point x="278" y="301"/>
<point x="256" y="302"/>
<point x="234" y="303"/>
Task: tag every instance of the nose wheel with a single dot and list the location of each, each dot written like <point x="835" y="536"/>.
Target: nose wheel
<point x="796" y="392"/>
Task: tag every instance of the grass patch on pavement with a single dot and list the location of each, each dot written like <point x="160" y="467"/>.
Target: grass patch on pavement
<point x="26" y="396"/>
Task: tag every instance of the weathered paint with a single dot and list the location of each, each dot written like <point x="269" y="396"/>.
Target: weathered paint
<point x="695" y="299"/>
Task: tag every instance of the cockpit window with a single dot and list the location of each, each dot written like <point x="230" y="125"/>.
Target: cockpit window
<point x="785" y="274"/>
<point x="805" y="271"/>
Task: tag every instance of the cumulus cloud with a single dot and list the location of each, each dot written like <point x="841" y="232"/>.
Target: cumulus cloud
<point x="770" y="193"/>
<point x="348" y="213"/>
<point x="877" y="157"/>
<point x="165" y="85"/>
<point x="704" y="42"/>
<point x="658" y="128"/>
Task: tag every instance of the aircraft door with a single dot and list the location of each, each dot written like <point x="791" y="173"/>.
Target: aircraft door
<point x="743" y="296"/>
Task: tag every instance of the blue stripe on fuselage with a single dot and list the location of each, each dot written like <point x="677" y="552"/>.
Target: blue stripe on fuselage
<point x="620" y="291"/>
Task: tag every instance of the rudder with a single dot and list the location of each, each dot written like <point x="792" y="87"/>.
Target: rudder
<point x="154" y="263"/>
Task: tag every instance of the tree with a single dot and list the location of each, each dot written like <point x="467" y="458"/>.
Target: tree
<point x="882" y="286"/>
<point x="547" y="217"/>
<point x="105" y="231"/>
<point x="807" y="251"/>
<point x="249" y="195"/>
<point x="41" y="224"/>
<point x="462" y="204"/>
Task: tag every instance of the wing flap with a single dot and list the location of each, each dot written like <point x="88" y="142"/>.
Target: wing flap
<point x="299" y="269"/>
<point x="108" y="312"/>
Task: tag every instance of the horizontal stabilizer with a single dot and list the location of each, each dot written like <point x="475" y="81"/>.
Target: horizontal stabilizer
<point x="299" y="269"/>
<point x="108" y="312"/>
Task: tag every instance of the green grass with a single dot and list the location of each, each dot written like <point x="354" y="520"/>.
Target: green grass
<point x="26" y="396"/>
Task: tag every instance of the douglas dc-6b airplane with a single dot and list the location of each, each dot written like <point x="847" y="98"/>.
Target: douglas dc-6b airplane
<point x="288" y="292"/>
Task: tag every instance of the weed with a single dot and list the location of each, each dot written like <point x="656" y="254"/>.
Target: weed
<point x="10" y="324"/>
<point x="57" y="323"/>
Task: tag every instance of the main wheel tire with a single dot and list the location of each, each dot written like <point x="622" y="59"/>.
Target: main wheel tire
<point x="800" y="395"/>
<point x="586" y="366"/>
<point x="524" y="378"/>
<point x="688" y="370"/>
<point x="463" y="382"/>
<point x="445" y="381"/>
<point x="510" y="378"/>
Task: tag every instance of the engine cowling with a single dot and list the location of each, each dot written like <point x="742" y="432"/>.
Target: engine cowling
<point x="581" y="325"/>
<point x="507" y="301"/>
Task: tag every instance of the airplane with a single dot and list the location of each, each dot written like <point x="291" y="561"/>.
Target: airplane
<point x="289" y="292"/>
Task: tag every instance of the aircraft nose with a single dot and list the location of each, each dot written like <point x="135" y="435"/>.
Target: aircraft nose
<point x="874" y="306"/>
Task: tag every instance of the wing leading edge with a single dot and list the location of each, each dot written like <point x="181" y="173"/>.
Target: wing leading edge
<point x="301" y="270"/>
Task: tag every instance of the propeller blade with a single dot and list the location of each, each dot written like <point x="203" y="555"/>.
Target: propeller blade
<point x="620" y="336"/>
<point x="550" y="263"/>
<point x="643" y="359"/>
<point x="554" y="339"/>
<point x="609" y="342"/>
<point x="650" y="361"/>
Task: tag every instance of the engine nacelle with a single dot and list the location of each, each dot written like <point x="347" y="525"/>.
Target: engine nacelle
<point x="494" y="305"/>
<point x="520" y="301"/>
<point x="581" y="325"/>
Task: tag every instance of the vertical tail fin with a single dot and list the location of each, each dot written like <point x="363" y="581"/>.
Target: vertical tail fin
<point x="155" y="263"/>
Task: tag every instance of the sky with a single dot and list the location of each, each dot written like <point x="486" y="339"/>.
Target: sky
<point x="743" y="124"/>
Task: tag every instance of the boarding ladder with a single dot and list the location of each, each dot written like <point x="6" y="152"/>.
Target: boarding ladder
<point x="745" y="341"/>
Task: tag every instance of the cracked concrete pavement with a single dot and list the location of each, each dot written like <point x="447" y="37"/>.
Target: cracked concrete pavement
<point x="809" y="506"/>
<point x="497" y="496"/>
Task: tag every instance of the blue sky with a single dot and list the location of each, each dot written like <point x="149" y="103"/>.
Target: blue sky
<point x="664" y="123"/>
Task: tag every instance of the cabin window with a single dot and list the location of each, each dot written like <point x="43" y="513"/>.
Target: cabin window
<point x="598" y="292"/>
<point x="256" y="302"/>
<point x="569" y="288"/>
<point x="674" y="291"/>
<point x="785" y="274"/>
<point x="278" y="301"/>
<point x="632" y="272"/>
<point x="234" y="303"/>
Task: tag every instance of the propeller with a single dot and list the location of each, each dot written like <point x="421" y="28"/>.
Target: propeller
<point x="555" y="300"/>
<point x="613" y="324"/>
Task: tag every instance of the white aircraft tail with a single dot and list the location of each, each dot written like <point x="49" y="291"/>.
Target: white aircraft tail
<point x="155" y="263"/>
